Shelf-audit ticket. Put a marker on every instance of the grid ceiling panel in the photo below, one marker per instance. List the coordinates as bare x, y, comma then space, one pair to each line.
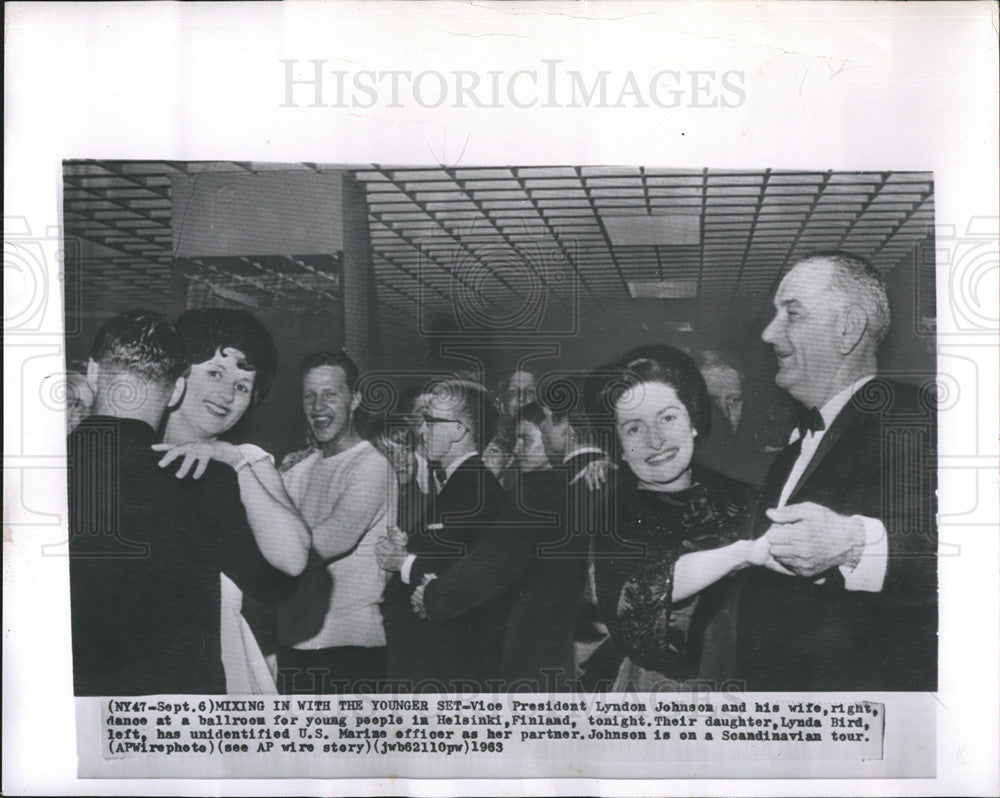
753, 223
427, 224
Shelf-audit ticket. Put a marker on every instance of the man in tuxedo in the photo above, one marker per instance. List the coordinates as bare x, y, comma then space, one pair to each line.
850, 599
457, 421
537, 554
146, 548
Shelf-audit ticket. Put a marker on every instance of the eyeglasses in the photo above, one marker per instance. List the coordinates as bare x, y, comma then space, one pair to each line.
424, 419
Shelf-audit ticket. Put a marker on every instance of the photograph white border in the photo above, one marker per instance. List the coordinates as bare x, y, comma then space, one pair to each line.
848, 85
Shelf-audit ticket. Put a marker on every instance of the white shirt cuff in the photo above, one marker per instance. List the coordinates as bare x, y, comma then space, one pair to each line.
869, 574
253, 454
404, 572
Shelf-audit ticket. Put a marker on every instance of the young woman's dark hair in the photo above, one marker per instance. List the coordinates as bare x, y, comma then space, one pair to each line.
210, 330
653, 363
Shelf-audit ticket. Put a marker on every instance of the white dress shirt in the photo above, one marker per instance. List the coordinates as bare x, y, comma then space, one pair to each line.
407, 566
869, 574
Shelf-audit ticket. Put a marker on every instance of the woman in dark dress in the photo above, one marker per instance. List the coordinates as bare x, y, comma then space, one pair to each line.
232, 365
679, 531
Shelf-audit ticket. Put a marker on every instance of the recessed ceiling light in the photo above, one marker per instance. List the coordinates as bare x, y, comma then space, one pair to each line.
663, 289
669, 229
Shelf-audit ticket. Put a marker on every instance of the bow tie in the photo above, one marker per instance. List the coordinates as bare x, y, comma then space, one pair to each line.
810, 421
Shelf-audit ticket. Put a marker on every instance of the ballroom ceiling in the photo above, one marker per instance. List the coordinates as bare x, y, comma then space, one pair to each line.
500, 237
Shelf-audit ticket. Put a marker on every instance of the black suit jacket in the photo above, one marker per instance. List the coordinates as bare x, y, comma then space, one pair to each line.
462, 648
146, 550
877, 459
536, 557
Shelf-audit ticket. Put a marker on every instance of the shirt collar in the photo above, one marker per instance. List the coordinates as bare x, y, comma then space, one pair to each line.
835, 404
456, 463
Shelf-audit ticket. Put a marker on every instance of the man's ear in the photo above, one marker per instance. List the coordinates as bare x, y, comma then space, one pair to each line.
355, 400
853, 323
461, 430
178, 393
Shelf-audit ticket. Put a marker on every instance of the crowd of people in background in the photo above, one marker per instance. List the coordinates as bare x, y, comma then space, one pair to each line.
646, 526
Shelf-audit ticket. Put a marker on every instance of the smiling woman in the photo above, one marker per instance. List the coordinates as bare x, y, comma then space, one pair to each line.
217, 395
232, 363
656, 434
679, 531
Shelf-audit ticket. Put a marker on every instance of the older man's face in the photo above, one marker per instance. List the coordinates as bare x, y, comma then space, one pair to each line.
804, 334
726, 391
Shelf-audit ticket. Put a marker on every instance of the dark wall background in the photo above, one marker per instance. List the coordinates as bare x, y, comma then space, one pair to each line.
607, 331
600, 334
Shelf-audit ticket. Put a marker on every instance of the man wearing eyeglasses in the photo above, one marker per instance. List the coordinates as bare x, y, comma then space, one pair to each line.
456, 422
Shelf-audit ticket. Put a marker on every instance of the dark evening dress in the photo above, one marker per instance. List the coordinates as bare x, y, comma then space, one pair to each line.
656, 643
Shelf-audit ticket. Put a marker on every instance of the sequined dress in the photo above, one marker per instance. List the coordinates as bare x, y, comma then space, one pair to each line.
657, 639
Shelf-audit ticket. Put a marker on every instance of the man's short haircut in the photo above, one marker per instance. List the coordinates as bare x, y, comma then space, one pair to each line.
533, 413
565, 398
210, 330
540, 410
476, 403
860, 283
142, 343
327, 357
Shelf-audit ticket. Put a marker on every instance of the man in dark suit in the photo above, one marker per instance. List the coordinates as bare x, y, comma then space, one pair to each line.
850, 599
458, 419
146, 548
537, 555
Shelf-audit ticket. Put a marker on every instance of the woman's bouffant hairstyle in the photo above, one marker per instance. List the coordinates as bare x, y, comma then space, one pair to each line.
652, 363
212, 330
